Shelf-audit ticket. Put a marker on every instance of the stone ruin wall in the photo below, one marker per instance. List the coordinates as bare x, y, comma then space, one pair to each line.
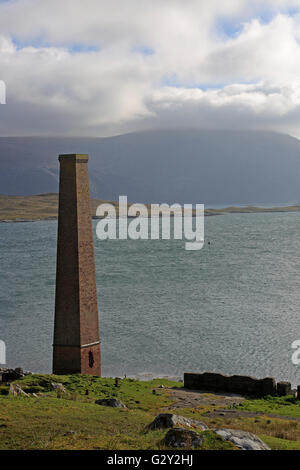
213, 382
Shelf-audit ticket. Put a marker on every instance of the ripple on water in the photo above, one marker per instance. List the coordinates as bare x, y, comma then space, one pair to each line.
231, 307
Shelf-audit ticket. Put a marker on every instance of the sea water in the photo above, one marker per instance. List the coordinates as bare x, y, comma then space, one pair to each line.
232, 307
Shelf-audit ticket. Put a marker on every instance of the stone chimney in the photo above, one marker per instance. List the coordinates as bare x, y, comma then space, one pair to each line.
76, 325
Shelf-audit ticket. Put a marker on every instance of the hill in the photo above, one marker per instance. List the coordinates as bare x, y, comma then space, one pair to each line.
184, 166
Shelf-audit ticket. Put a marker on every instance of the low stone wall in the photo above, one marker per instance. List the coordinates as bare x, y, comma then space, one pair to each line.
9, 375
284, 389
213, 382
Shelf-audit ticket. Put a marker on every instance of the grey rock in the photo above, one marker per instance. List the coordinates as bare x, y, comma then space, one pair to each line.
113, 402
58, 387
184, 438
168, 420
16, 391
242, 439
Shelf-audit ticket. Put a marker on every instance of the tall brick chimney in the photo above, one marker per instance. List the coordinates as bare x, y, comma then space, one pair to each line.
76, 326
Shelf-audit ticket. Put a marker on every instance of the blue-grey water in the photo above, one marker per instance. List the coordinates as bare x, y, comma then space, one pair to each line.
232, 307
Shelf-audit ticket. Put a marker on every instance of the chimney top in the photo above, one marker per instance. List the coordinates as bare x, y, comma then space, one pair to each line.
73, 157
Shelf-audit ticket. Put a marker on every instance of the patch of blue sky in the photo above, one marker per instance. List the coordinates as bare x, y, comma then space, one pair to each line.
231, 28
293, 11
266, 15
174, 82
228, 28
39, 42
144, 50
83, 48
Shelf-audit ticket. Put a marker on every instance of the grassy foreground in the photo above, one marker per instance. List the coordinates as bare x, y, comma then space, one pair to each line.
72, 420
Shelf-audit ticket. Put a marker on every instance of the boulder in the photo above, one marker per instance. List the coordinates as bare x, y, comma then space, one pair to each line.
16, 391
58, 387
113, 402
183, 438
168, 420
241, 439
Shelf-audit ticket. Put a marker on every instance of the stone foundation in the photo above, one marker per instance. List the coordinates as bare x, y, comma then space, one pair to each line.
213, 382
284, 389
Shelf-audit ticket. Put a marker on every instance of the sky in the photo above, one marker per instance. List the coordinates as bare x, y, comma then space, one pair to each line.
107, 67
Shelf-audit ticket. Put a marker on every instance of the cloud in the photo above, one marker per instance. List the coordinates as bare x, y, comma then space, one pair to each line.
101, 68
258, 105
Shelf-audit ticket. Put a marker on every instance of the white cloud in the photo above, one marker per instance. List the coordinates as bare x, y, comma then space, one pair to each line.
244, 79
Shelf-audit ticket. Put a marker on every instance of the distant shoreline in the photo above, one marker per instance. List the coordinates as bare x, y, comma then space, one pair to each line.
44, 207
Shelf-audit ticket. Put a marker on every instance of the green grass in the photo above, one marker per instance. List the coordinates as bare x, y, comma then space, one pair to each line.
215, 442
133, 393
46, 422
280, 444
73, 420
283, 406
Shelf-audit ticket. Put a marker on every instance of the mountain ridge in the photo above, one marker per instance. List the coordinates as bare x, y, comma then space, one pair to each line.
184, 166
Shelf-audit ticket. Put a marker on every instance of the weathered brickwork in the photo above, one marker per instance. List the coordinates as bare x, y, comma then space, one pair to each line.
76, 328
